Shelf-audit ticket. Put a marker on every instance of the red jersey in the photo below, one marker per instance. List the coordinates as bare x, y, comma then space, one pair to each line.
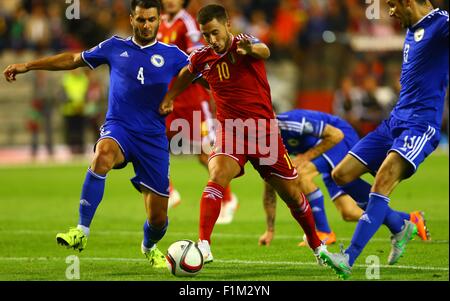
181, 31
238, 82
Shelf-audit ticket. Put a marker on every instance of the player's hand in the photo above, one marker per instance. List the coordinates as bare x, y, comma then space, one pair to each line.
244, 47
166, 107
12, 70
266, 238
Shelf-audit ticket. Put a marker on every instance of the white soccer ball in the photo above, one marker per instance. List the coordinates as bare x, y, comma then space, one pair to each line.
184, 258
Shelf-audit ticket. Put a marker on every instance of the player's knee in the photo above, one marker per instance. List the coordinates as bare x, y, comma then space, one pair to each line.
219, 176
103, 160
340, 177
349, 216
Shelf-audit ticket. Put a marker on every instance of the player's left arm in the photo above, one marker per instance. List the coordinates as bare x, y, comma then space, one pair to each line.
257, 50
330, 136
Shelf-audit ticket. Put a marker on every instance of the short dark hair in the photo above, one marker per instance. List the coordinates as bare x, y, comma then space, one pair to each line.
211, 12
145, 4
186, 3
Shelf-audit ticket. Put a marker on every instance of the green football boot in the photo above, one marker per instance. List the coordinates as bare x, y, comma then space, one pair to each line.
74, 239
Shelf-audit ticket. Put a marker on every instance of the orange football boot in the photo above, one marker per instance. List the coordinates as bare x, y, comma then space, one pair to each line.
417, 217
326, 238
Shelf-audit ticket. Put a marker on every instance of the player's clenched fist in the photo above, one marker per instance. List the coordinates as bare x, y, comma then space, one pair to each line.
166, 107
12, 70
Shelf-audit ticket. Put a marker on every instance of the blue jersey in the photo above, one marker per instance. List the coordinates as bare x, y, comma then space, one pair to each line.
303, 129
139, 80
424, 76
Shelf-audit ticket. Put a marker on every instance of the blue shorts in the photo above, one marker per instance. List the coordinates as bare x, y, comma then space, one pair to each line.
148, 154
414, 142
328, 160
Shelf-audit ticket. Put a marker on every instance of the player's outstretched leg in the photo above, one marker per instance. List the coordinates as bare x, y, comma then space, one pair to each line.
209, 212
300, 211
107, 155
91, 195
155, 227
222, 169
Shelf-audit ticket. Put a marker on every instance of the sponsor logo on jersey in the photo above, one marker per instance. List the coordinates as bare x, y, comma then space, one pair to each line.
124, 54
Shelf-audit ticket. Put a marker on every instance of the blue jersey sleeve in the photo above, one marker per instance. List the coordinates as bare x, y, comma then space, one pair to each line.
98, 55
313, 127
444, 29
181, 60
300, 124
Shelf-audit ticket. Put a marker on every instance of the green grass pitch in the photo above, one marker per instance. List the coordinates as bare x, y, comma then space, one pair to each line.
36, 202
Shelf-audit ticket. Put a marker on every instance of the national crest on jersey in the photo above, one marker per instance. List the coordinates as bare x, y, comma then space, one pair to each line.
139, 80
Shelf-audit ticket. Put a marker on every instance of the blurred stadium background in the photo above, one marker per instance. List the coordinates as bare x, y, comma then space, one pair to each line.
326, 55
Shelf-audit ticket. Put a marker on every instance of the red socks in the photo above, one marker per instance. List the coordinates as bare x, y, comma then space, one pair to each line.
210, 209
227, 194
304, 216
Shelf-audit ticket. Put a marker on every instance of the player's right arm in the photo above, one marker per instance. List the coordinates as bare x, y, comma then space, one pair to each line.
270, 205
329, 138
183, 80
63, 61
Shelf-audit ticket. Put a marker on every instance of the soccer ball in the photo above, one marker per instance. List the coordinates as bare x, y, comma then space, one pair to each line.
184, 258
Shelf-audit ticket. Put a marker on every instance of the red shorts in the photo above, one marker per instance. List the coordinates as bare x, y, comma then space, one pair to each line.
270, 160
191, 116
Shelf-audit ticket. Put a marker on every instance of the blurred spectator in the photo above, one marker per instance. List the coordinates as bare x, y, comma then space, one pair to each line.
309, 38
75, 86
37, 29
372, 111
258, 26
95, 103
348, 103
40, 116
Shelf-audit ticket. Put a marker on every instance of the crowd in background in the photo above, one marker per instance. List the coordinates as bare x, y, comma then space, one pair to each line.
312, 35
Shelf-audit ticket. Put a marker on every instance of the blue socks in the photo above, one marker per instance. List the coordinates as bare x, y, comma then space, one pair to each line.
91, 195
317, 205
152, 235
403, 215
359, 190
368, 225
394, 220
